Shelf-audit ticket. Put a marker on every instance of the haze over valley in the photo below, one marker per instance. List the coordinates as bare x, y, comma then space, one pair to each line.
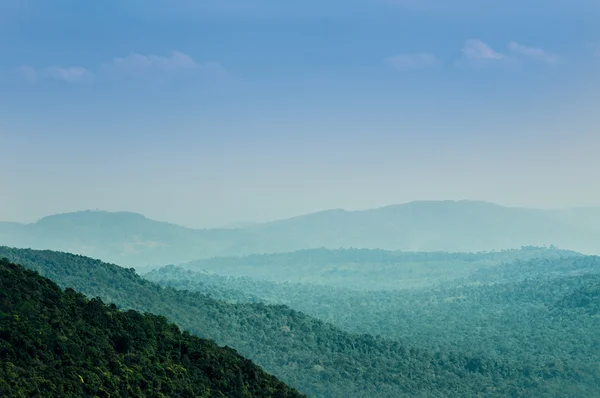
132, 240
324, 199
429, 298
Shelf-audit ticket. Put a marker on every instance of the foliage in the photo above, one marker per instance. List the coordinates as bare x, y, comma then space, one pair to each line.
542, 312
369, 269
315, 357
60, 344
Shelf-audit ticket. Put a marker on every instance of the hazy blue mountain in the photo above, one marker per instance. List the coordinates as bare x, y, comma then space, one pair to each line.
238, 225
121, 237
438, 226
464, 226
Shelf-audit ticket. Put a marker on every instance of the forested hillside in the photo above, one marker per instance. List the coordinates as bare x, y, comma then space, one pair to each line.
542, 311
314, 357
369, 268
60, 344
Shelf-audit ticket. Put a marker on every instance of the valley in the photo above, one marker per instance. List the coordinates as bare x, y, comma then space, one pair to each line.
494, 332
342, 322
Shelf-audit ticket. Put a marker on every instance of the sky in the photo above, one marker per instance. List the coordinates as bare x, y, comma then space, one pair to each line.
209, 112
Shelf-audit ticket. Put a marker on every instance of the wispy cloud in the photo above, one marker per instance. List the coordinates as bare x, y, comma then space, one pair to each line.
74, 74
478, 50
155, 65
406, 62
533, 53
176, 61
476, 53
134, 65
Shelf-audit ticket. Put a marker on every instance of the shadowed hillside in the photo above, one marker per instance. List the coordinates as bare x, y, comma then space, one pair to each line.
58, 344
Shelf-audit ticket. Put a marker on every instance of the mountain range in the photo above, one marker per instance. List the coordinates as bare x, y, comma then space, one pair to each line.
133, 240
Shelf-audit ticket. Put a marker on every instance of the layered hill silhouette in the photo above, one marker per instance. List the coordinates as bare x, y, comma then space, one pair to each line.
132, 240
310, 355
544, 310
56, 343
371, 269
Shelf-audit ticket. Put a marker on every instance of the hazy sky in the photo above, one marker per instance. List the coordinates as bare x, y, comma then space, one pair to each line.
211, 111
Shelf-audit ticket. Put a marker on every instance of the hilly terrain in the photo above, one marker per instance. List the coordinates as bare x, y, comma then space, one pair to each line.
370, 269
463, 226
56, 343
132, 240
121, 237
315, 357
542, 310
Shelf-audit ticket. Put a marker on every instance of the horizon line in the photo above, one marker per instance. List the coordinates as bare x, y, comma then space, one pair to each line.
347, 210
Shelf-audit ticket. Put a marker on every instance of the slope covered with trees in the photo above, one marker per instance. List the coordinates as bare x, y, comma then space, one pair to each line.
542, 311
370, 269
315, 357
56, 343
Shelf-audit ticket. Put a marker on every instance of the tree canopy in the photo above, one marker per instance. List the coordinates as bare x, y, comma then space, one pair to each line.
56, 343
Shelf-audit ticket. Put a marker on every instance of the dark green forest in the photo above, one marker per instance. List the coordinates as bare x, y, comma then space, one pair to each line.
313, 356
56, 343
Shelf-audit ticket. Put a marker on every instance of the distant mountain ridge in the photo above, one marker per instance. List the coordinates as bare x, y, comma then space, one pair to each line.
454, 226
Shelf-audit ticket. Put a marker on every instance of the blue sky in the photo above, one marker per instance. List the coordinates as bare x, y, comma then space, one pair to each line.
208, 112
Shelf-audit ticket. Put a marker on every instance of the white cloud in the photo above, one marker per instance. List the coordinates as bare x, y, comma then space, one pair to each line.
475, 53
151, 65
478, 50
74, 74
531, 52
412, 61
134, 65
176, 61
